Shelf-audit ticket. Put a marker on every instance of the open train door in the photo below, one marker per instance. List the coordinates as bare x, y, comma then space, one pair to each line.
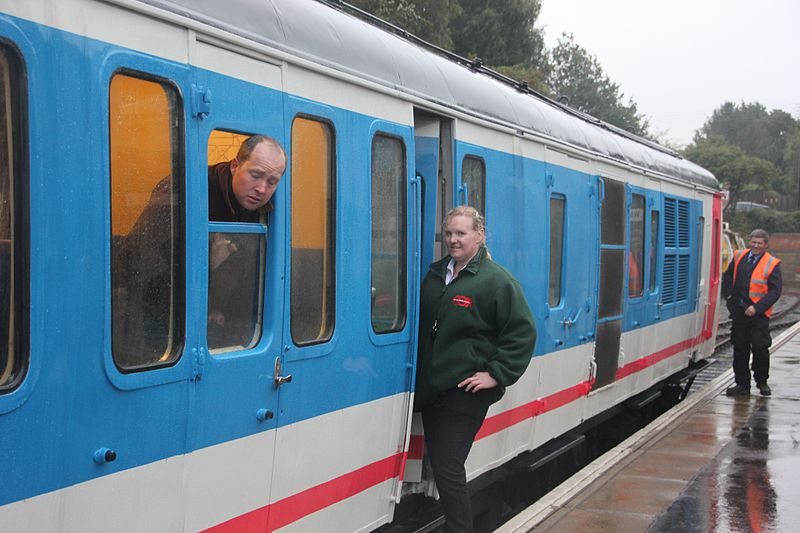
433, 146
710, 320
612, 197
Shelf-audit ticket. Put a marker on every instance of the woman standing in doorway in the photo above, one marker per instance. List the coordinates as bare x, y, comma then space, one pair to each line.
476, 337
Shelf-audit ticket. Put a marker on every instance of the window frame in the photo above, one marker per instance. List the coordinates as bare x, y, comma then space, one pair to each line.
405, 136
634, 193
240, 228
333, 233
619, 244
180, 77
561, 295
653, 269
14, 392
482, 160
178, 157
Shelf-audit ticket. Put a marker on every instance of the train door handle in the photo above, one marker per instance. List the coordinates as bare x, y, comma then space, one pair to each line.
280, 380
568, 322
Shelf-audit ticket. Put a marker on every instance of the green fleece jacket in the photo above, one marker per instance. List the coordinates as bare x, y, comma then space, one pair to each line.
480, 322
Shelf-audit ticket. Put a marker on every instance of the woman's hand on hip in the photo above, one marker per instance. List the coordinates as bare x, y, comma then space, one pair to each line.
478, 381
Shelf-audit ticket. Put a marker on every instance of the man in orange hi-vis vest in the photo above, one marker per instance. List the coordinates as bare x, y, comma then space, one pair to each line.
751, 286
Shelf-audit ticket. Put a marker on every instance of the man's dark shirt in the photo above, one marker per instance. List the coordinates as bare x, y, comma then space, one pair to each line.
738, 295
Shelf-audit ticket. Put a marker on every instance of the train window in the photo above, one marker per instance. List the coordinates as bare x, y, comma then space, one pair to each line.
313, 283
612, 225
609, 303
557, 208
388, 234
147, 221
612, 249
636, 253
236, 259
473, 177
653, 250
13, 223
224, 145
235, 290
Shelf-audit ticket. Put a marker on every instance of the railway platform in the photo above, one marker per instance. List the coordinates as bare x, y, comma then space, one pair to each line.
712, 464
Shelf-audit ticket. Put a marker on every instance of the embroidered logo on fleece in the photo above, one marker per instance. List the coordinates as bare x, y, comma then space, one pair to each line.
462, 301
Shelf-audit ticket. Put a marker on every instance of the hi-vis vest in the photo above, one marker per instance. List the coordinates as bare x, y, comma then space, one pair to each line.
758, 281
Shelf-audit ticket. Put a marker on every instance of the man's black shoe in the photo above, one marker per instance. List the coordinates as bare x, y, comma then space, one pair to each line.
737, 390
764, 389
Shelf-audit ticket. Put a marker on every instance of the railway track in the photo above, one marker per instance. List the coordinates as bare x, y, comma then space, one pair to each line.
785, 308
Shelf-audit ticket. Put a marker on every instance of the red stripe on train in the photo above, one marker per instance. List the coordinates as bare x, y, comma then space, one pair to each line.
506, 419
297, 506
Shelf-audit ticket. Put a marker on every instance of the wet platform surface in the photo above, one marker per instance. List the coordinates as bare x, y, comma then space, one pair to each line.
730, 464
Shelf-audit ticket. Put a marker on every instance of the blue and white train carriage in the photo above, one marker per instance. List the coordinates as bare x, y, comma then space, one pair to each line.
115, 418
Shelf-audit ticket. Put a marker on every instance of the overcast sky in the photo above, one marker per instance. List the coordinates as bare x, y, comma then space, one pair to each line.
681, 59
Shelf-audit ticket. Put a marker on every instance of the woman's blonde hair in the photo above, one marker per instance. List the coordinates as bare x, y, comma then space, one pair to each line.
478, 222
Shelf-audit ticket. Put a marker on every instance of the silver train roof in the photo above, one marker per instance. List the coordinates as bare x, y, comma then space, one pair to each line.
317, 32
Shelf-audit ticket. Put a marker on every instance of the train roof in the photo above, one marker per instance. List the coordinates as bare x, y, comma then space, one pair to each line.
317, 32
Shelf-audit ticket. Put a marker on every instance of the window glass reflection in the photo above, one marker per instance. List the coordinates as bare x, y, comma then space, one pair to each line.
235, 294
146, 222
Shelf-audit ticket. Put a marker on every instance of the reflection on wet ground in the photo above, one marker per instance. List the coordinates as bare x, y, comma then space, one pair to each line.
752, 484
732, 465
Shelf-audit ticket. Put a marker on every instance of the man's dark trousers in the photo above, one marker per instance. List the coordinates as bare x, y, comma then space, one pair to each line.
750, 333
451, 424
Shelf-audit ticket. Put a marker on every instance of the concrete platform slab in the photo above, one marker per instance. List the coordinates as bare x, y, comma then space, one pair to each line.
729, 464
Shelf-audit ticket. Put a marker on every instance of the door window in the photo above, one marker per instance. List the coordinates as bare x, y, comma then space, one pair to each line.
557, 209
388, 234
313, 284
473, 177
13, 225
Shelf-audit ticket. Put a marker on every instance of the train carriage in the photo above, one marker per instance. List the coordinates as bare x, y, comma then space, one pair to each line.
119, 416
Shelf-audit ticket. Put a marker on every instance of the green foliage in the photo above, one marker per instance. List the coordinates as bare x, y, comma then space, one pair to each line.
504, 35
537, 80
790, 180
768, 219
733, 166
751, 149
753, 129
428, 19
501, 32
578, 76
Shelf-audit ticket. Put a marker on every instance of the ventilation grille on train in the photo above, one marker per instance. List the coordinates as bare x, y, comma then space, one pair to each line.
677, 251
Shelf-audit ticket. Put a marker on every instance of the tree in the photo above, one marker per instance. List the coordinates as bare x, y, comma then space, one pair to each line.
773, 136
501, 32
578, 76
537, 80
427, 19
731, 165
767, 219
752, 128
504, 35
791, 157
